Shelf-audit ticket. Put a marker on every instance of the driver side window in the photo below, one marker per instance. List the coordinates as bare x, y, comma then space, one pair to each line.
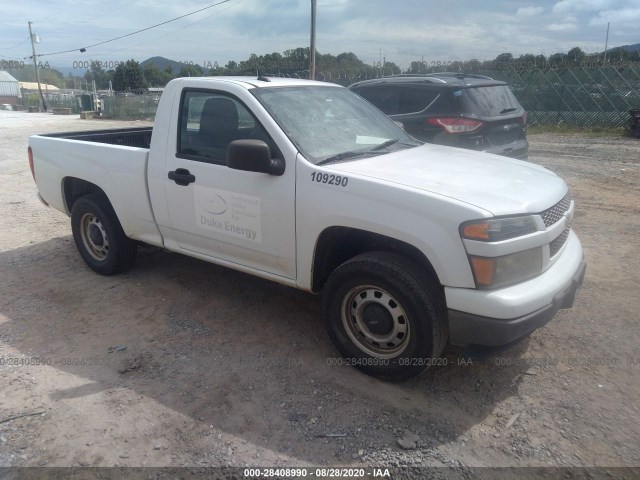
209, 122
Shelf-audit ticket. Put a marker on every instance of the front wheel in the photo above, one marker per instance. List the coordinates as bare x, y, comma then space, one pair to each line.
99, 237
385, 316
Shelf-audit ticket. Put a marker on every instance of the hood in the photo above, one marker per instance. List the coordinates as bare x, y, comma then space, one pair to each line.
498, 184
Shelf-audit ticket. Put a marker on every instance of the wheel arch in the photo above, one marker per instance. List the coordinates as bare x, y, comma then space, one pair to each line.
74, 188
336, 245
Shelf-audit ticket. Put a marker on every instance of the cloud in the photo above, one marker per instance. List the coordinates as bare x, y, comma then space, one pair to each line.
529, 11
401, 32
565, 6
562, 27
624, 16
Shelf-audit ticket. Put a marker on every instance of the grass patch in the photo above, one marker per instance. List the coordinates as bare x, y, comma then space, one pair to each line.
568, 130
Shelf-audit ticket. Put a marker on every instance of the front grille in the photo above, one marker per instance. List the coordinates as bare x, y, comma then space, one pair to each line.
554, 214
556, 245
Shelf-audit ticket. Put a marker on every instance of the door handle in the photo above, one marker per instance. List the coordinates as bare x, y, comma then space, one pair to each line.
182, 176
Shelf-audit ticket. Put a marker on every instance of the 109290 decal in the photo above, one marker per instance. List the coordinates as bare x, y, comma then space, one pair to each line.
329, 179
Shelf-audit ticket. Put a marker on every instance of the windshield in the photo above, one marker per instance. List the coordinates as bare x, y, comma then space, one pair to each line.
331, 124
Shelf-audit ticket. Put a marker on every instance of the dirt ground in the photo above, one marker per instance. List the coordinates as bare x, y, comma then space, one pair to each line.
183, 363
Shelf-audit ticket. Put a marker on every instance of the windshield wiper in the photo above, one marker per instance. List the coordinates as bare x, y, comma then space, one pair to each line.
343, 156
384, 144
507, 110
358, 153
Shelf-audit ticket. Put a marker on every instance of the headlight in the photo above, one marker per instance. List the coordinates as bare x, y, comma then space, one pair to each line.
497, 229
501, 270
494, 272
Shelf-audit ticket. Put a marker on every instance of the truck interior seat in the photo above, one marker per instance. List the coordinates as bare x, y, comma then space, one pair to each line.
219, 123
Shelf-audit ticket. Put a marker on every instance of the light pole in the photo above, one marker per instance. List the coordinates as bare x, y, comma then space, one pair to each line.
606, 45
312, 49
43, 106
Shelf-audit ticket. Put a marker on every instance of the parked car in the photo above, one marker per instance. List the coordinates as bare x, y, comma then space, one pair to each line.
304, 183
455, 109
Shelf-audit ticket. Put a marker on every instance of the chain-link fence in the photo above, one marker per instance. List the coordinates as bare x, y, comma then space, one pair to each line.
115, 105
577, 97
130, 106
53, 100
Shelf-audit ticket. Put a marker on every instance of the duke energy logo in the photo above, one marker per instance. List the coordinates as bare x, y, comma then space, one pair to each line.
228, 213
215, 205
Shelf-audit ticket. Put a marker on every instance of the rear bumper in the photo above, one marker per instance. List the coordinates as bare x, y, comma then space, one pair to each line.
519, 155
467, 328
519, 150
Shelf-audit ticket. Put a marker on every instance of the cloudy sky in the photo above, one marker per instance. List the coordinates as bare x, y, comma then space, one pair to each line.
400, 31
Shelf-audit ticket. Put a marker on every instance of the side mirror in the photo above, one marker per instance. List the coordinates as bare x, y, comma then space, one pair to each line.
253, 156
400, 124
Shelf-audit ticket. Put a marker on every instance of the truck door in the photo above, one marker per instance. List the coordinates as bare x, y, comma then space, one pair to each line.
245, 218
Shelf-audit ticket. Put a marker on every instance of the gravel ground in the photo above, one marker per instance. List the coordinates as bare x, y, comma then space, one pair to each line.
182, 363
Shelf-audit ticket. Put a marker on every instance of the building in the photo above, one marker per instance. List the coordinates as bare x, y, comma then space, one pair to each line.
33, 87
9, 89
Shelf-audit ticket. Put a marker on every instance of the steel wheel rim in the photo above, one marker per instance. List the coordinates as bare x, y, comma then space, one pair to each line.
389, 344
94, 237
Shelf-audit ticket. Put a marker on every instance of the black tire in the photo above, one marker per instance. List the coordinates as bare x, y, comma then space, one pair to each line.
384, 296
99, 237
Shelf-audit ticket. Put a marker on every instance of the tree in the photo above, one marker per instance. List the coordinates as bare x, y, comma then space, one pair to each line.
540, 61
557, 60
575, 55
99, 75
417, 67
231, 68
504, 58
129, 77
156, 77
189, 70
473, 65
391, 68
526, 59
298, 54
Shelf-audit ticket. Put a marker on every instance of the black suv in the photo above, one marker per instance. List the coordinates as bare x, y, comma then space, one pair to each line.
455, 109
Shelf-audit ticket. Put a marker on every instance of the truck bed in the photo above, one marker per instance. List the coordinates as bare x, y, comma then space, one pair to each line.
115, 161
139, 137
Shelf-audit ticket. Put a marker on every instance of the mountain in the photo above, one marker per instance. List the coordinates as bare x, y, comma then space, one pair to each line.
631, 48
78, 72
624, 48
625, 53
162, 63
622, 52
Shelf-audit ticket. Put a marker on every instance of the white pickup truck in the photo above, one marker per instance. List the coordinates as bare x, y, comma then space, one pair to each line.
306, 184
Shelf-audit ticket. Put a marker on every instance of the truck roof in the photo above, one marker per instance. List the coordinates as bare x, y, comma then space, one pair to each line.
256, 82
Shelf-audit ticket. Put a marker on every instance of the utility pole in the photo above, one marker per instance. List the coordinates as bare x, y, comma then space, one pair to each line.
606, 45
43, 105
312, 49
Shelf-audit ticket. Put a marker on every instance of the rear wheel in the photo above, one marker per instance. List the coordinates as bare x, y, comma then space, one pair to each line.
99, 237
385, 315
